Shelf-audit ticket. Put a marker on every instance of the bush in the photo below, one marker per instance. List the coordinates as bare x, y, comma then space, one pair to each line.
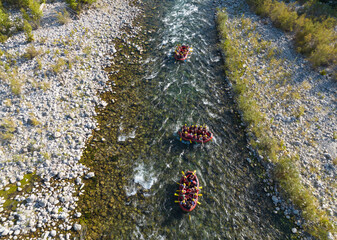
282, 16
72, 4
78, 4
28, 31
36, 13
5, 25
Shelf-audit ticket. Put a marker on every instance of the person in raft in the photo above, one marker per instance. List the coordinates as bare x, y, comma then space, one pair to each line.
181, 51
189, 191
195, 132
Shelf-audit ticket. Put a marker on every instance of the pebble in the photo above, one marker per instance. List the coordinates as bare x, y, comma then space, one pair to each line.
53, 233
77, 227
90, 175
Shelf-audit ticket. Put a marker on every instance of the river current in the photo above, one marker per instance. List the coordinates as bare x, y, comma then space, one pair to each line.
138, 158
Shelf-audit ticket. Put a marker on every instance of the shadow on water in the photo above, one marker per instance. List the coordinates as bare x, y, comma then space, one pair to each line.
137, 157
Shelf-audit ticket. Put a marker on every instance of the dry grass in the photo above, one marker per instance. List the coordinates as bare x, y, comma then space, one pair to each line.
59, 65
7, 129
64, 17
31, 52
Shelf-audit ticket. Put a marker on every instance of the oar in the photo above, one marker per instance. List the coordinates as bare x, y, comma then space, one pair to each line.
177, 201
200, 195
183, 173
194, 172
176, 194
199, 203
200, 187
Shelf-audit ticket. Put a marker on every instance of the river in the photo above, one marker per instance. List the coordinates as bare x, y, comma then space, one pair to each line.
137, 157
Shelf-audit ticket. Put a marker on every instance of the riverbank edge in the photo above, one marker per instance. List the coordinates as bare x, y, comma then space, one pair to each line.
53, 115
266, 146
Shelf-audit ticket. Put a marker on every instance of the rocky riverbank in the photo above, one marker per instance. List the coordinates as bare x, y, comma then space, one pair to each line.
293, 102
49, 90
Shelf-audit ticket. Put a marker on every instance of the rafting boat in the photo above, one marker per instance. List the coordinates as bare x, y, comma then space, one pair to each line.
188, 191
182, 52
190, 137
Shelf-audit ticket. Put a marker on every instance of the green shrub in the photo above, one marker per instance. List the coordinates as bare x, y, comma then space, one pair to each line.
72, 4
324, 54
28, 31
77, 4
282, 16
5, 25
36, 13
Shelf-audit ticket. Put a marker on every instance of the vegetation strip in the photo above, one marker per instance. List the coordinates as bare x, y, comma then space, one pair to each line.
255, 82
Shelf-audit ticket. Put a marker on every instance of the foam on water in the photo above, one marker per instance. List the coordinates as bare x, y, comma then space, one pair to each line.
123, 137
142, 176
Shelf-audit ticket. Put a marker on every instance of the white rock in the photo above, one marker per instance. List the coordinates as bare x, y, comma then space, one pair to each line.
5, 232
77, 227
31, 198
294, 230
53, 233
57, 134
90, 175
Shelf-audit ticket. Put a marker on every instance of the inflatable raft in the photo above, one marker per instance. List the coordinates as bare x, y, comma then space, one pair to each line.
188, 191
192, 140
182, 52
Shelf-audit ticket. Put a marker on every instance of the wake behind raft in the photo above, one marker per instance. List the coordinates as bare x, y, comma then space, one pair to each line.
188, 191
194, 134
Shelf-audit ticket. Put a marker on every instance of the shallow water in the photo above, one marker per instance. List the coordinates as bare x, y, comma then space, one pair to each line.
141, 159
